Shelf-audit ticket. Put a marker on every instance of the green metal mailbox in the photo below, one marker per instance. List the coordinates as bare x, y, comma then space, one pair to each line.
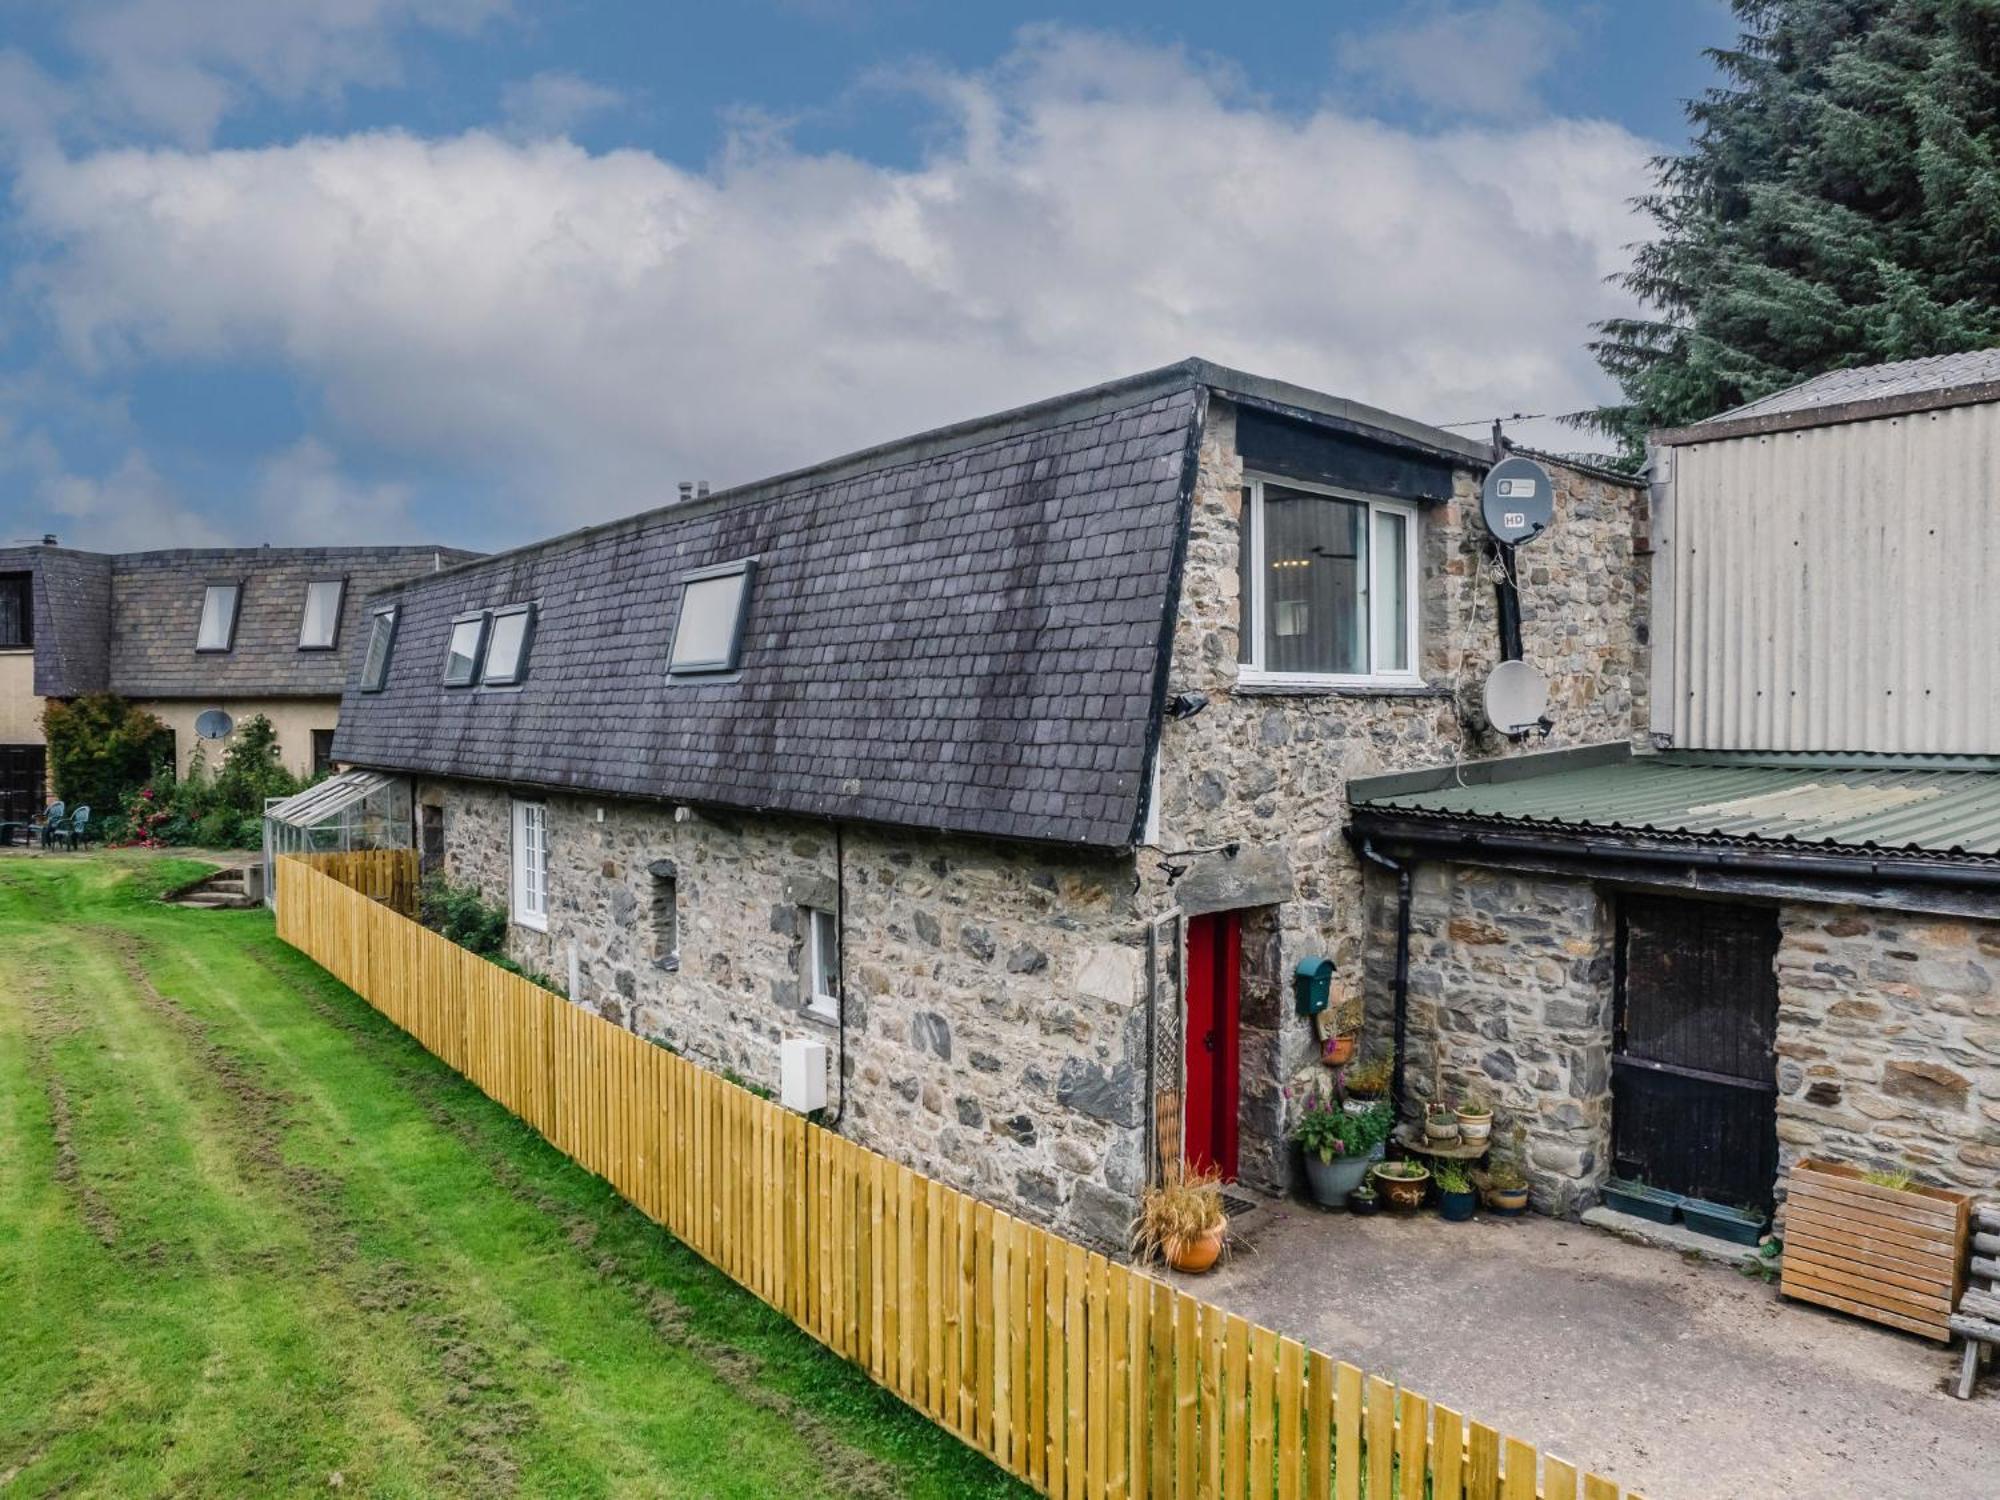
1312, 984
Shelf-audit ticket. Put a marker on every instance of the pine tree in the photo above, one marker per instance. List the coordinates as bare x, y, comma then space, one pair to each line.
1839, 205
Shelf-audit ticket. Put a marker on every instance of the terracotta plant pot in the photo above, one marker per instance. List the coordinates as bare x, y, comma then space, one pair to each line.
1339, 1052
1404, 1194
1474, 1126
1198, 1253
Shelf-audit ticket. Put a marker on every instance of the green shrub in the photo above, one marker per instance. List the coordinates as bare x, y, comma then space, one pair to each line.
460, 913
102, 749
220, 811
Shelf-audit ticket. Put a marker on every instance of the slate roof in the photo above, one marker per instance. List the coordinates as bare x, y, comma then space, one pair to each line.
1861, 804
965, 630
1904, 385
126, 622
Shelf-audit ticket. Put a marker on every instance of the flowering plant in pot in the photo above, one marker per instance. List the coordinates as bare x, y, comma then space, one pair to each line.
1456, 1199
1402, 1184
1181, 1220
1339, 1145
1440, 1122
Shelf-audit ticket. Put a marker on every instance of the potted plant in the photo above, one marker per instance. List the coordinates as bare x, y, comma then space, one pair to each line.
1369, 1079
1456, 1199
1475, 1119
1440, 1123
1338, 1051
1630, 1196
1364, 1201
1339, 1145
1741, 1226
1402, 1184
1181, 1220
1504, 1188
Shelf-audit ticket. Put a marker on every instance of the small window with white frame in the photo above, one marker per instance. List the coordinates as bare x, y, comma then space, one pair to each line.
375, 660
507, 646
217, 631
461, 652
1329, 587
531, 865
319, 625
822, 975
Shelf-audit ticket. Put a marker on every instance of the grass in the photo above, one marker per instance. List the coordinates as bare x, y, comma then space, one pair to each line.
253, 1240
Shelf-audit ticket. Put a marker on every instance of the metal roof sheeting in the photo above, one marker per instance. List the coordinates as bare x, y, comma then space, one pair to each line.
1904, 377
1848, 804
329, 798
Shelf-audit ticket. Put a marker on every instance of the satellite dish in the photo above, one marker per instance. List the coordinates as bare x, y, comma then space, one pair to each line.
1517, 696
213, 724
1518, 500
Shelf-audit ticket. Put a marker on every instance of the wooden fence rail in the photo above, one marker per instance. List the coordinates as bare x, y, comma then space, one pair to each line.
1085, 1378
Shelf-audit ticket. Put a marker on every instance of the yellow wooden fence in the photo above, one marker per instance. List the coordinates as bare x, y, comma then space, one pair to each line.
1086, 1378
385, 875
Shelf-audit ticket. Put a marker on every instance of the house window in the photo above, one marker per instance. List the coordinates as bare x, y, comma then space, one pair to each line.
507, 645
430, 839
322, 751
822, 964
666, 914
218, 617
319, 630
1330, 587
531, 865
709, 635
461, 656
17, 610
375, 664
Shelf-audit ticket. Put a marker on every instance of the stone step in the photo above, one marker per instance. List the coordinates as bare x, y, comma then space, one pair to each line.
1675, 1237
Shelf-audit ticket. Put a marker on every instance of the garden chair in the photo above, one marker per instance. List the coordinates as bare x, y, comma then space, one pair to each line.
77, 827
1978, 1315
52, 820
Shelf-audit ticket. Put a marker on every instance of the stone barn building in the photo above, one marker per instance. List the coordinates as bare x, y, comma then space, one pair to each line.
1011, 759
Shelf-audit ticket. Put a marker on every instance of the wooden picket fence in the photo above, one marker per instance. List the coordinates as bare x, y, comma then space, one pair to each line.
385, 875
1085, 1378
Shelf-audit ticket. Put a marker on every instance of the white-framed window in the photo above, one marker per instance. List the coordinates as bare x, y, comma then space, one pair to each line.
1329, 587
461, 652
822, 975
507, 646
375, 661
319, 626
531, 865
218, 617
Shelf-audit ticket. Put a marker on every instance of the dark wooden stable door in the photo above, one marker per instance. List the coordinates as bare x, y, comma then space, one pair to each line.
1694, 1093
21, 774
1214, 993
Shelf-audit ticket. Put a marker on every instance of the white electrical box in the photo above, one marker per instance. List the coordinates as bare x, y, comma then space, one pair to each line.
802, 1074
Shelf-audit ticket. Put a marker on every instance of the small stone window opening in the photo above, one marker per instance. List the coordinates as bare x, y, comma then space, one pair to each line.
822, 969
666, 915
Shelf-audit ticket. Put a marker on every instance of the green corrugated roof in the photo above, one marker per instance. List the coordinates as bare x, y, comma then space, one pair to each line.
1933, 807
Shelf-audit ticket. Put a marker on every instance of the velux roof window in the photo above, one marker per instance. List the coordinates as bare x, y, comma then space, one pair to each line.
507, 645
381, 636
218, 617
709, 635
461, 656
319, 629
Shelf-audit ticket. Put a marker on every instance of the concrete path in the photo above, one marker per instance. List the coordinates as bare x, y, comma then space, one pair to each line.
1681, 1379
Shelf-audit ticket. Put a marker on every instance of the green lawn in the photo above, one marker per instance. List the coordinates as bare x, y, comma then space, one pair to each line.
253, 1240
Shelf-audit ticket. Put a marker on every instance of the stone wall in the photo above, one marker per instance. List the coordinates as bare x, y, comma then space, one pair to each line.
1511, 986
994, 996
1889, 1043
1268, 768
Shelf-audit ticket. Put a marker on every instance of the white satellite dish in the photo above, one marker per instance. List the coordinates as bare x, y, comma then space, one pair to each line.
1517, 696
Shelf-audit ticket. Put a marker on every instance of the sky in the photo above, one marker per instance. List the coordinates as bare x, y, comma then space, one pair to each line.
477, 271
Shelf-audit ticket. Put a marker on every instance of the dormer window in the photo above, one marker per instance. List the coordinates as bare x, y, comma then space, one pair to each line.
319, 628
461, 656
17, 610
218, 617
507, 646
709, 634
381, 637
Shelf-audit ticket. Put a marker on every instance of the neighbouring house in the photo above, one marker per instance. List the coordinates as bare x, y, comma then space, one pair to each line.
204, 639
1778, 934
1009, 759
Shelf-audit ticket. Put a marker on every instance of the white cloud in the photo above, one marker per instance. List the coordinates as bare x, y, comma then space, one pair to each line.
178, 66
304, 498
129, 508
573, 332
1482, 60
555, 103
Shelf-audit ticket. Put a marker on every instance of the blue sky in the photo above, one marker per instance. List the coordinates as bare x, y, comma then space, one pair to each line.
473, 271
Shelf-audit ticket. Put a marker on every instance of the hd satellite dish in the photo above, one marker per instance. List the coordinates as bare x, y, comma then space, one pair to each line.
1517, 697
213, 724
1518, 500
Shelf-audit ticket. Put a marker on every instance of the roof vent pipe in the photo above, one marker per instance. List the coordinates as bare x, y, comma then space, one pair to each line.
701, 489
687, 490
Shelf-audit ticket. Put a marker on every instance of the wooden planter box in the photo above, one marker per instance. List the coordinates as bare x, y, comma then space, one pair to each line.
1894, 1255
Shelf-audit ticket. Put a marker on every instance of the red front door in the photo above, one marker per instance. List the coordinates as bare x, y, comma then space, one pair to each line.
1214, 960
